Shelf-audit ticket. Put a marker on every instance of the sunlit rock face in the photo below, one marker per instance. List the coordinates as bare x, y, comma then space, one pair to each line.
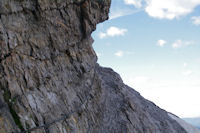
50, 81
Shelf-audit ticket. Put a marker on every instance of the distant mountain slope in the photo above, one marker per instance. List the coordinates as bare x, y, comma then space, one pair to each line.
193, 121
189, 128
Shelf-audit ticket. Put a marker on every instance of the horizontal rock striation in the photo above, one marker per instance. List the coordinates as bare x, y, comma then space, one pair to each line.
50, 81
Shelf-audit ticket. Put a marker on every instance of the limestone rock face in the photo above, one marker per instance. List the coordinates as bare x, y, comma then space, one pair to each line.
50, 81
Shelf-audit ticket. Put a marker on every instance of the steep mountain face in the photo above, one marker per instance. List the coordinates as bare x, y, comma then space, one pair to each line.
50, 81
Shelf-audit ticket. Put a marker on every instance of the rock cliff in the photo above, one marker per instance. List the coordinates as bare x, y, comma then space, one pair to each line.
50, 81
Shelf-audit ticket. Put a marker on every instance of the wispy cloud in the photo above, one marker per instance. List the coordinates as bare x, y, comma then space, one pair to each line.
196, 20
121, 8
112, 31
161, 43
119, 54
121, 12
180, 43
136, 3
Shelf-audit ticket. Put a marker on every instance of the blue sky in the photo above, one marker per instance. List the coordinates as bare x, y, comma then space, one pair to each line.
155, 46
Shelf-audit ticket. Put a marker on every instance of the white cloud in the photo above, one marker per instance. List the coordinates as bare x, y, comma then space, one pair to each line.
102, 35
119, 54
170, 9
161, 43
180, 43
136, 3
187, 72
112, 31
196, 20
162, 9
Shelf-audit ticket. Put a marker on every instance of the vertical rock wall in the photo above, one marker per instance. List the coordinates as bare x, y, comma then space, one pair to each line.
49, 79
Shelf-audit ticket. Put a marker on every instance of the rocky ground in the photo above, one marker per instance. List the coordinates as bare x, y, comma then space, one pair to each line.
50, 81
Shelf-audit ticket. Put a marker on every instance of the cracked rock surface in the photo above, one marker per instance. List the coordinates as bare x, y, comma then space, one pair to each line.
50, 81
